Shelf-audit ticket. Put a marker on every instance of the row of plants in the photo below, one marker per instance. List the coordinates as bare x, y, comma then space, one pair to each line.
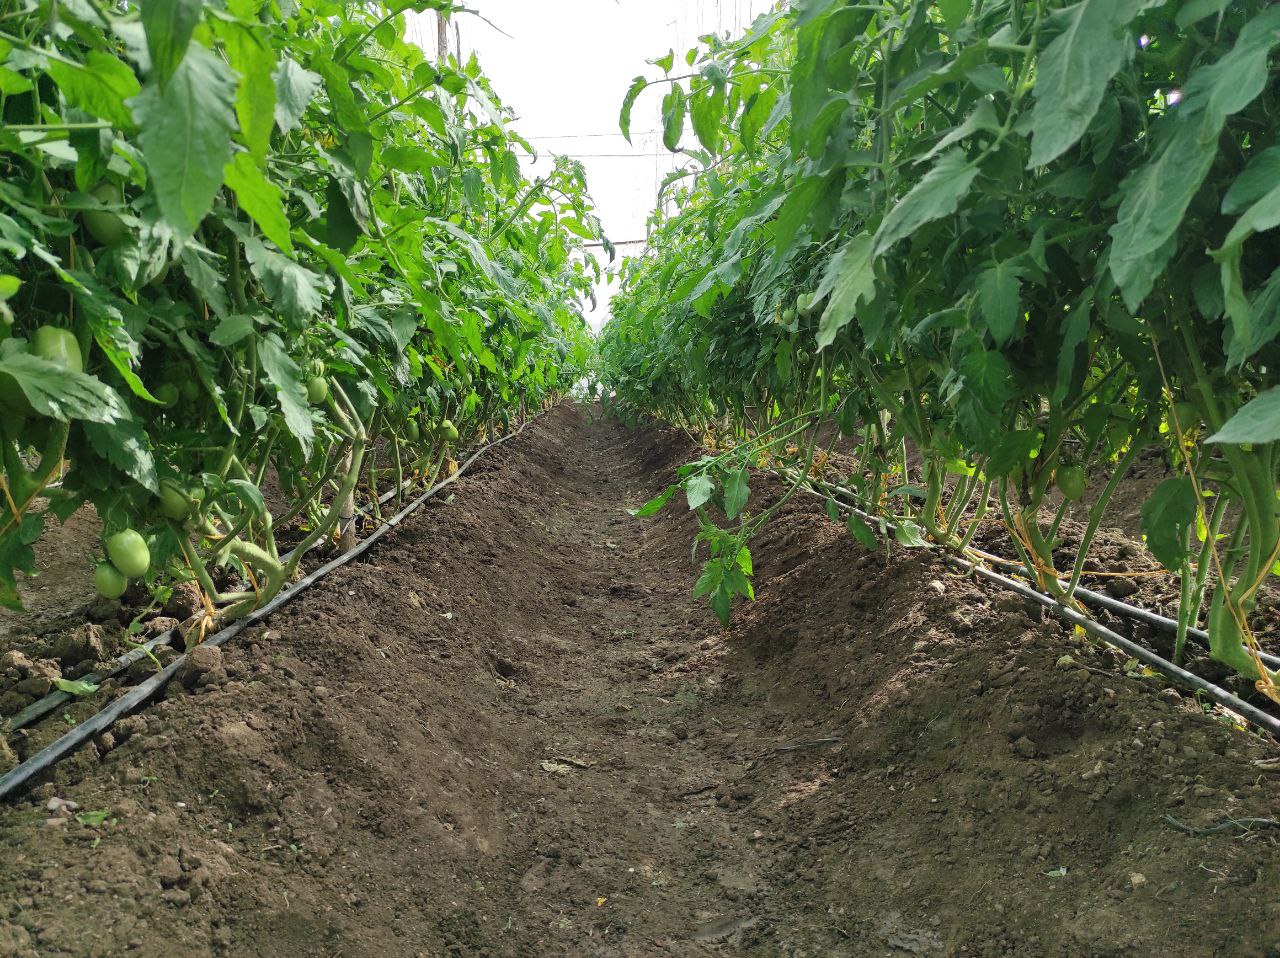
1001, 247
259, 260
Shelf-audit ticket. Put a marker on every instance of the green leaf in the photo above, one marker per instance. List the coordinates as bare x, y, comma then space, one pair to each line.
260, 198
169, 25
291, 391
296, 86
126, 445
60, 393
910, 535
251, 56
699, 489
850, 278
249, 494
1258, 421
186, 136
1155, 196
99, 88
936, 195
999, 290
231, 329
654, 505
954, 12
16, 554
628, 104
294, 289
1257, 179
707, 115
861, 531
736, 491
709, 581
1167, 518
76, 687
1193, 10
1073, 72
673, 114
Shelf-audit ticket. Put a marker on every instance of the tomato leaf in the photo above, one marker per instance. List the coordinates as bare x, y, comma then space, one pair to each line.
296, 86
100, 87
1167, 518
186, 136
998, 299
654, 505
62, 394
861, 531
126, 445
260, 198
936, 195
169, 25
1075, 69
910, 535
1258, 421
850, 279
736, 491
291, 391
699, 489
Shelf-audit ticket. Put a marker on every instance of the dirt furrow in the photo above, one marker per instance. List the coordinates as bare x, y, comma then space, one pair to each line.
510, 731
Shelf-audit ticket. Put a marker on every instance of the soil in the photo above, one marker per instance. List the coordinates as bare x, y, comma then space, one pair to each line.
509, 731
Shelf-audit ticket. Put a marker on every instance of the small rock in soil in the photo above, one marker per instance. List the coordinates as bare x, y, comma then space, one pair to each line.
1025, 747
1121, 588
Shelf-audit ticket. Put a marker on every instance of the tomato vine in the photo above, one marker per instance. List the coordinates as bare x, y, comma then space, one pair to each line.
999, 244
259, 243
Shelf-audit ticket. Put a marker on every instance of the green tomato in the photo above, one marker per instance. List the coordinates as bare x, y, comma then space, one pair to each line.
1072, 482
190, 389
175, 504
411, 431
167, 393
788, 317
103, 225
448, 431
128, 552
52, 344
805, 303
317, 390
111, 584
58, 346
316, 367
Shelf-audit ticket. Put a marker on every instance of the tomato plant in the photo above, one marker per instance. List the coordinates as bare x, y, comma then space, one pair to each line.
990, 244
258, 240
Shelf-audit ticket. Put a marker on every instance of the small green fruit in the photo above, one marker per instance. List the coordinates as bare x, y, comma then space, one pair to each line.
103, 225
317, 390
128, 552
111, 584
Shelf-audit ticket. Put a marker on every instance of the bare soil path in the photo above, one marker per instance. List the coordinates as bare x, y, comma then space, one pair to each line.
511, 732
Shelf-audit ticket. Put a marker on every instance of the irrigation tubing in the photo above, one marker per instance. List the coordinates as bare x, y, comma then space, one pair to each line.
42, 707
1096, 599
1213, 692
141, 693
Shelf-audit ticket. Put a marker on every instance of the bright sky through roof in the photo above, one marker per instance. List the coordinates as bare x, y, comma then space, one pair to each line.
564, 69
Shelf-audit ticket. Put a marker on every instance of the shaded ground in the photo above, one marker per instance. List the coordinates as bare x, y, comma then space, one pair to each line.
511, 732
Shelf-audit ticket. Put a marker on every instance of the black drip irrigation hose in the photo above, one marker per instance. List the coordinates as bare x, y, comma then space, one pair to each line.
140, 694
1096, 599
1213, 692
